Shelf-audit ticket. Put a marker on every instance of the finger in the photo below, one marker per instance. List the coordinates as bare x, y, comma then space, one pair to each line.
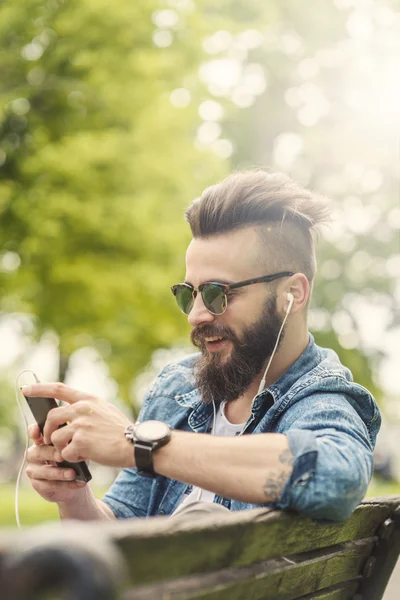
42, 453
48, 489
55, 390
62, 437
35, 434
55, 418
50, 473
75, 451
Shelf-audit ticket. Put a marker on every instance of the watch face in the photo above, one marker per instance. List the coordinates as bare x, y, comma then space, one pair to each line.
152, 431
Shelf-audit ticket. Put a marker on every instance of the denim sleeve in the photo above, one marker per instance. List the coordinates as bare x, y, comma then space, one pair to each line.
129, 495
333, 458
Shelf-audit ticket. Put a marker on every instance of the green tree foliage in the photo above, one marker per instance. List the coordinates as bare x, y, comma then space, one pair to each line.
98, 167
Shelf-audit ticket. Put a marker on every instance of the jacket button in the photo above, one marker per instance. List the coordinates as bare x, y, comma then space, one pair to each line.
161, 512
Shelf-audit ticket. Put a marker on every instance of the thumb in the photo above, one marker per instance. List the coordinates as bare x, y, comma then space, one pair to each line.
35, 435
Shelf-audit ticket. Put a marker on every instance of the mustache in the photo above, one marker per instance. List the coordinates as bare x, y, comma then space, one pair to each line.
198, 334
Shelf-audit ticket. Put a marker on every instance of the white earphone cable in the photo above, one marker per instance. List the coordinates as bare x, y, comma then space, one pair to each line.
26, 443
262, 384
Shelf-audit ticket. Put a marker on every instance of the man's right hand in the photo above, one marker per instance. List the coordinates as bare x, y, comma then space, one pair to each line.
53, 483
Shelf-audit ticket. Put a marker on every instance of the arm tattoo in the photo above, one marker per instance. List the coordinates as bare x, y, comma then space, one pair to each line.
286, 457
277, 478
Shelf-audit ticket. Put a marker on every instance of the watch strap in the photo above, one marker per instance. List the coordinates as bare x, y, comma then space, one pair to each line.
144, 459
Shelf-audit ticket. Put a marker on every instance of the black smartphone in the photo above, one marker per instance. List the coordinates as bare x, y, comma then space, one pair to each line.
40, 408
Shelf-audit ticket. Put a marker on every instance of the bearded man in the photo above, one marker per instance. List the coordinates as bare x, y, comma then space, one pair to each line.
262, 416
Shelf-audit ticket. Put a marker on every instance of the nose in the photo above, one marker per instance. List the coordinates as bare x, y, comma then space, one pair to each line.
199, 314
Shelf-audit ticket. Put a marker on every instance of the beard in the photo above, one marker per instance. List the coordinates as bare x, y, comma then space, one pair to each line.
218, 379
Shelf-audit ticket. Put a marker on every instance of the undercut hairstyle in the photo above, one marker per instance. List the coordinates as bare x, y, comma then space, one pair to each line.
285, 214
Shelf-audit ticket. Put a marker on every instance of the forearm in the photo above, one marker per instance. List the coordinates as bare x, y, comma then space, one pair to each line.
86, 507
250, 468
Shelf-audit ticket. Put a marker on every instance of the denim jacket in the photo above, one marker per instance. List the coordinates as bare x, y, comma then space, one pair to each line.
331, 424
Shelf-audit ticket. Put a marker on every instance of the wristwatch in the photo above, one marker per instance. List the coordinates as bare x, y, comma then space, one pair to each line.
147, 437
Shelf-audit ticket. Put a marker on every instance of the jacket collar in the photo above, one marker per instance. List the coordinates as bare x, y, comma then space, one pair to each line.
307, 361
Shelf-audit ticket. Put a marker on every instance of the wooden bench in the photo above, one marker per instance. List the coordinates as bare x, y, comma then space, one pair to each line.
249, 555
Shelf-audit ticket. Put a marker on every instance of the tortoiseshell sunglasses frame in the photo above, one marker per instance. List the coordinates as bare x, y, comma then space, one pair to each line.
225, 288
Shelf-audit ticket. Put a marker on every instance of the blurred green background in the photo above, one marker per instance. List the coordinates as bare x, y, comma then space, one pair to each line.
114, 116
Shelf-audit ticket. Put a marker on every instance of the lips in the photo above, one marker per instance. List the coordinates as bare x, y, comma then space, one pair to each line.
216, 345
207, 336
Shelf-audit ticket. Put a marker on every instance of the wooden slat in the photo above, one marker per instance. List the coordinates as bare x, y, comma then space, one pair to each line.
238, 539
285, 578
385, 557
343, 591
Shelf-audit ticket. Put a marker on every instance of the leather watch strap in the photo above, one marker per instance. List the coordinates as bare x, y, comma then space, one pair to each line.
144, 458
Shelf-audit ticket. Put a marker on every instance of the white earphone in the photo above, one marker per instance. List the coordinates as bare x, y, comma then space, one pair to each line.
290, 299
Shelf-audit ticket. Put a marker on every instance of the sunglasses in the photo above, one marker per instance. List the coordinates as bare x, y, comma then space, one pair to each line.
215, 295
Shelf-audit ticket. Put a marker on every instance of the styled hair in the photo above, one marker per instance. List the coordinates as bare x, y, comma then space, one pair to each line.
287, 215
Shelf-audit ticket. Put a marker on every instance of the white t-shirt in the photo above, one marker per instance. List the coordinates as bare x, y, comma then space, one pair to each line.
222, 427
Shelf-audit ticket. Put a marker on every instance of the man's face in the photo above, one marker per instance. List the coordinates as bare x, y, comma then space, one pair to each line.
249, 327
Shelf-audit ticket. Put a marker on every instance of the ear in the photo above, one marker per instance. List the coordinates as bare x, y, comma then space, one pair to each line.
299, 287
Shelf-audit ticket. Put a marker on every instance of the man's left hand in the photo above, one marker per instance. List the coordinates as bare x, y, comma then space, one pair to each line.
94, 428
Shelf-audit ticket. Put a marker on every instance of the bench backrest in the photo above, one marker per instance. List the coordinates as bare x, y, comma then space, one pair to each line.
258, 554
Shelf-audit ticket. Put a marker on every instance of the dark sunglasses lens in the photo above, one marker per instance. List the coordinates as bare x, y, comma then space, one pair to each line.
184, 298
214, 299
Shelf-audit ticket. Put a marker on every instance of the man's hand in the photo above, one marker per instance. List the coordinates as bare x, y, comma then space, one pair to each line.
51, 482
94, 431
